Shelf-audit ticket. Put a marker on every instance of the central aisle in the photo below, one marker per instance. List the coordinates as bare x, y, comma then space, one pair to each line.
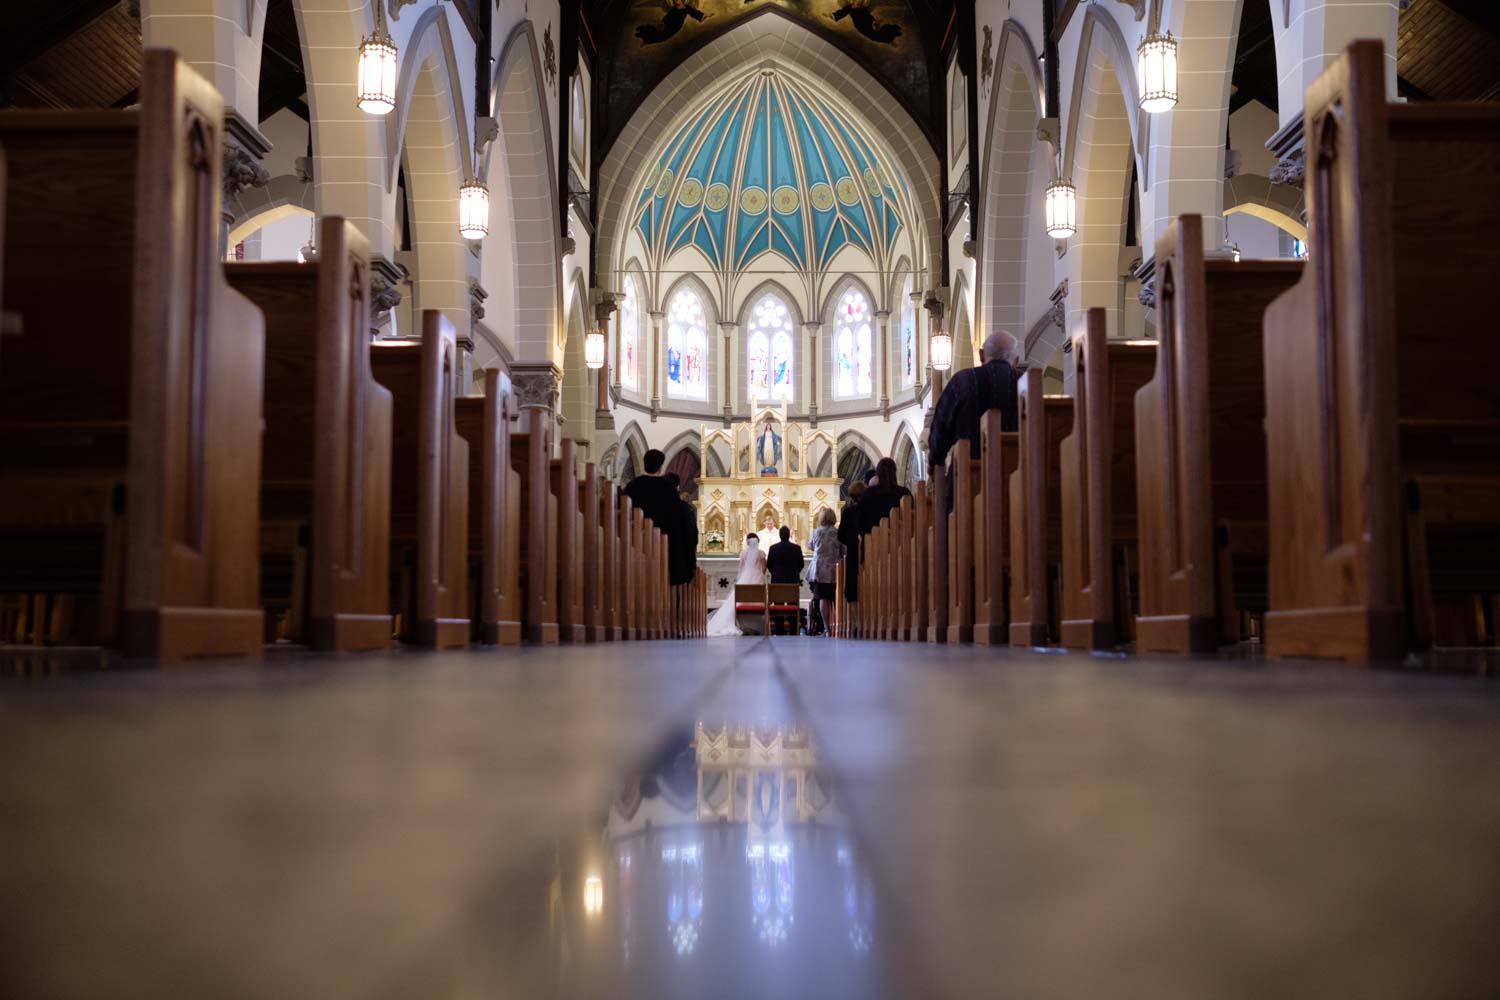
899, 821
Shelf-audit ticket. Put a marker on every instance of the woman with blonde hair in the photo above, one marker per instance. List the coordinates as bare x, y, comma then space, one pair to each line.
828, 552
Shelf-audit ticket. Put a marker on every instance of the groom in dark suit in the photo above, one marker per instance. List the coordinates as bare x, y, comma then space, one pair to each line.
784, 561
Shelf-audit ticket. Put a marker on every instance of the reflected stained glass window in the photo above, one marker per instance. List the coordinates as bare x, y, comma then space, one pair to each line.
630, 336
908, 337
853, 349
769, 349
687, 347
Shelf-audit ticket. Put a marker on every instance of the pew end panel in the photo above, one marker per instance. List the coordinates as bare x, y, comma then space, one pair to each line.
169, 426
999, 457
1036, 511
1389, 381
1099, 486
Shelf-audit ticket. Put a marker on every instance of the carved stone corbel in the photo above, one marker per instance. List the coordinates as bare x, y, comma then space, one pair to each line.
477, 295
1138, 6
386, 279
1289, 170
1049, 131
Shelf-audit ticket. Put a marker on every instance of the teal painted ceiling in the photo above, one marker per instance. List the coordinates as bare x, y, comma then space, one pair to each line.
769, 165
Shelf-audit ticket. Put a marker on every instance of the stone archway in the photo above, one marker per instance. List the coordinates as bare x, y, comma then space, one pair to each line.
522, 270
1006, 226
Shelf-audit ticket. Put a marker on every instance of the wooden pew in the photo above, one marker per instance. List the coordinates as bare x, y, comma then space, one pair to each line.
530, 456
1036, 512
963, 482
494, 513
917, 562
1000, 456
1099, 530
597, 503
610, 554
568, 554
129, 487
1382, 406
429, 487
936, 563
326, 460
1201, 446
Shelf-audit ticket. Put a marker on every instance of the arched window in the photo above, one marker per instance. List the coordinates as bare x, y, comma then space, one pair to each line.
908, 337
768, 350
687, 347
853, 376
630, 337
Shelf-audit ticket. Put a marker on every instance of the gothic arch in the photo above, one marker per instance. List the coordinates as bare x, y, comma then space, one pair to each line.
748, 44
827, 314
712, 351
1278, 204
741, 343
255, 207
577, 396
1006, 226
524, 224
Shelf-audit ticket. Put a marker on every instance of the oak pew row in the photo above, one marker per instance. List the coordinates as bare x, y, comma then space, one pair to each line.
326, 450
129, 495
429, 525
1100, 538
494, 514
1383, 418
1201, 447
1036, 512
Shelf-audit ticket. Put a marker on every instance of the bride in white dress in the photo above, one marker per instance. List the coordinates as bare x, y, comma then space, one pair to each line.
752, 570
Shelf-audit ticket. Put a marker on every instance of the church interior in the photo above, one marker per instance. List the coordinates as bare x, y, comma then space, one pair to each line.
346, 648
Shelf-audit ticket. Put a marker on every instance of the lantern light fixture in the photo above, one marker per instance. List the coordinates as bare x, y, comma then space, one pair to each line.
593, 349
377, 71
473, 209
942, 350
593, 895
1061, 209
1156, 72
1234, 251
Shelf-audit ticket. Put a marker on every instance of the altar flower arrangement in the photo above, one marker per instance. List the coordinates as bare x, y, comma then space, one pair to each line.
715, 542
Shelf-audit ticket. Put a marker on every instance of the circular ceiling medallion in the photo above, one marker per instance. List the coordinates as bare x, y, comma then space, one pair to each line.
753, 200
848, 190
664, 182
784, 199
717, 197
691, 193
821, 196
650, 178
872, 182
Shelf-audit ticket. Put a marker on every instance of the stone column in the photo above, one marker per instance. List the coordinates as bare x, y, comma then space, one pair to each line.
883, 331
934, 306
658, 364
603, 310
727, 363
813, 357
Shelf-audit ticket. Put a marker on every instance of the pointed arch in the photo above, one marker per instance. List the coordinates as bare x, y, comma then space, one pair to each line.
753, 325
1009, 190
521, 173
849, 358
688, 348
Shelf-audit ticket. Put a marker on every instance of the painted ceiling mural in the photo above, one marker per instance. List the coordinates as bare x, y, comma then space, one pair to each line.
767, 164
640, 41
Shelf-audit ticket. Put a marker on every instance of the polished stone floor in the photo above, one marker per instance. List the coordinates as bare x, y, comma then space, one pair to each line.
782, 817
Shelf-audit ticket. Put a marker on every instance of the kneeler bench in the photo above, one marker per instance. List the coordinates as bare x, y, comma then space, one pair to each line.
751, 611
783, 601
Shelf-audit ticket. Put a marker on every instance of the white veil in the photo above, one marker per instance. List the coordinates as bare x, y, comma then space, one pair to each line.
752, 562
752, 569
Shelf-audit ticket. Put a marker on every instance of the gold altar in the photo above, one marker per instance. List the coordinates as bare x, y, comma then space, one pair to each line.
768, 484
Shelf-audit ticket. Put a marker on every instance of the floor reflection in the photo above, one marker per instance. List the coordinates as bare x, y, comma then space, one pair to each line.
726, 868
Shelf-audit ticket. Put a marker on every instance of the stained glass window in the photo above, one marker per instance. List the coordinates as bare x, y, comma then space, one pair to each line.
687, 347
630, 336
908, 348
768, 349
852, 347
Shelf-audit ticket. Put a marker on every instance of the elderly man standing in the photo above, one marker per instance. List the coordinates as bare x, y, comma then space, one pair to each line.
971, 392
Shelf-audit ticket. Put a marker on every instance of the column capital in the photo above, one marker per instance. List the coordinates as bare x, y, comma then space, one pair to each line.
882, 314
813, 326
536, 386
728, 327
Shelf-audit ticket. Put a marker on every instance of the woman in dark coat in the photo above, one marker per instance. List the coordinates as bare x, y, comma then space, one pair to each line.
849, 534
883, 496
